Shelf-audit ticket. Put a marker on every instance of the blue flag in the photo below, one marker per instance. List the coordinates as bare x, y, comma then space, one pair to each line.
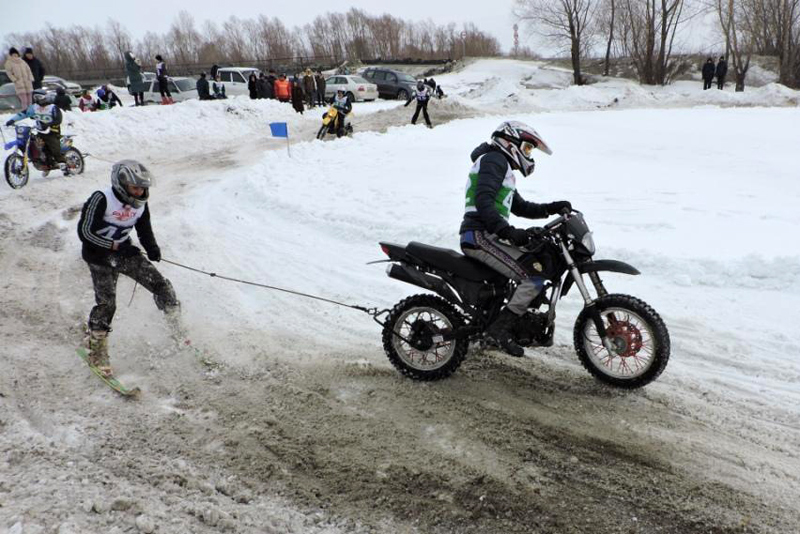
279, 129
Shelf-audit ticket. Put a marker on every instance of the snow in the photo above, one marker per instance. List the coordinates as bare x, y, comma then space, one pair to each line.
699, 190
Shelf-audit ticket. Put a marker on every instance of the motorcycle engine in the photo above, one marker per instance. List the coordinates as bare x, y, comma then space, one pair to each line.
531, 329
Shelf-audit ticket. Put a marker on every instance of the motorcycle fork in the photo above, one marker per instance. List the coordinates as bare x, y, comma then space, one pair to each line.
589, 302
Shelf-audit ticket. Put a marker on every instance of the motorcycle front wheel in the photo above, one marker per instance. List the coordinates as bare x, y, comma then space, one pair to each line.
414, 338
322, 131
639, 341
16, 171
74, 161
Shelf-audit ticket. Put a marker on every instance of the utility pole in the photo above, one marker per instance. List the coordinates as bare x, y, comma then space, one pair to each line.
463, 44
516, 40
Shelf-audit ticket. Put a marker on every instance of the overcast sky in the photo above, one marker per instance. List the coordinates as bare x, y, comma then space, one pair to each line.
140, 16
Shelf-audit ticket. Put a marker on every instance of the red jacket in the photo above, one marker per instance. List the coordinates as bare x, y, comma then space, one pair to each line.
283, 89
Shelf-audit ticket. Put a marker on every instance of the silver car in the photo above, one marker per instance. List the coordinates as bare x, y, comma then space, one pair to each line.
355, 87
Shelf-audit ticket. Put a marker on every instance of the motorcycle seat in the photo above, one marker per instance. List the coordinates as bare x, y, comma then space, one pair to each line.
453, 262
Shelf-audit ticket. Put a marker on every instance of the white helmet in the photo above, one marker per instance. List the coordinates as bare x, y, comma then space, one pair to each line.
131, 172
517, 141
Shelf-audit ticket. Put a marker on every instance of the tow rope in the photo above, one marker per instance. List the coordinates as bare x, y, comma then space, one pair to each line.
373, 312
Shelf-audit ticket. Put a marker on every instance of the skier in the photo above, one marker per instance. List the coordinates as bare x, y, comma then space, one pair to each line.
163, 81
107, 219
48, 119
422, 94
343, 107
486, 234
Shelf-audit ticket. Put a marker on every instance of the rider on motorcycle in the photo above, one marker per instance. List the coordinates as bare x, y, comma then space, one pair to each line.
343, 107
486, 234
48, 121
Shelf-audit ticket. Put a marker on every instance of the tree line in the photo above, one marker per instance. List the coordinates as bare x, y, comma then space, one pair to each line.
644, 32
338, 36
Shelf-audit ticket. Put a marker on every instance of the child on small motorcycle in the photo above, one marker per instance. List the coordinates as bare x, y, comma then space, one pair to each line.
48, 119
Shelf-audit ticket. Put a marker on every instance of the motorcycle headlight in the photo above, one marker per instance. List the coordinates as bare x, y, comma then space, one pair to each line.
588, 242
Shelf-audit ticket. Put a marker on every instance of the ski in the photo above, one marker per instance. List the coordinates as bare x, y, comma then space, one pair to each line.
110, 381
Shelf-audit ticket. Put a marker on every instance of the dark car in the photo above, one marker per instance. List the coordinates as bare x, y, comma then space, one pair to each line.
391, 83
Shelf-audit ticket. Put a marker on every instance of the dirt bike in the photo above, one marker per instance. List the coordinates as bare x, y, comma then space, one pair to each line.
329, 119
618, 338
29, 148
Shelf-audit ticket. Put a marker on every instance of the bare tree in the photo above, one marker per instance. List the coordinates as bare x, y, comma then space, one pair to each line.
568, 22
648, 36
608, 16
735, 23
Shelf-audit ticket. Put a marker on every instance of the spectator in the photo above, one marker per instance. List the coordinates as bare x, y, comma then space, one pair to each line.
297, 94
310, 88
320, 81
136, 84
20, 73
708, 73
262, 86
163, 81
107, 98
219, 88
271, 79
202, 87
214, 69
283, 89
252, 82
86, 103
62, 100
721, 72
37, 69
430, 82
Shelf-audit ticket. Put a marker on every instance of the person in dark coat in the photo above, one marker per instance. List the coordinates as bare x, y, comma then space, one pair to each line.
297, 94
251, 86
320, 80
106, 98
213, 73
721, 72
136, 84
202, 88
309, 88
271, 77
262, 87
36, 68
163, 81
708, 73
62, 100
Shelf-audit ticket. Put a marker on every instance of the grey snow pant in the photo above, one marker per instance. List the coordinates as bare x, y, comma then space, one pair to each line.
138, 268
503, 259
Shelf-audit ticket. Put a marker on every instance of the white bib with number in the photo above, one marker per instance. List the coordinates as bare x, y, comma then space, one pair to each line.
119, 218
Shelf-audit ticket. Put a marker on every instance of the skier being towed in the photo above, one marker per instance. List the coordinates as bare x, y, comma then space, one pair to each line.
107, 219
486, 234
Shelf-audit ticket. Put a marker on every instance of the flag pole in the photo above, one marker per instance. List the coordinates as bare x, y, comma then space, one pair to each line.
288, 149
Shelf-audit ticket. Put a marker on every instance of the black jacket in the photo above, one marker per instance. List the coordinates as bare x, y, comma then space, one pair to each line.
97, 248
202, 89
708, 71
62, 101
37, 69
491, 174
722, 68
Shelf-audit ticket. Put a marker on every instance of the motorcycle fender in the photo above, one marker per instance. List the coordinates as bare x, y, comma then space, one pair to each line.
411, 275
614, 266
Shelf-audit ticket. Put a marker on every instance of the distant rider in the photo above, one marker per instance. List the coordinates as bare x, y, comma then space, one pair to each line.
343, 107
486, 234
48, 119
107, 219
422, 94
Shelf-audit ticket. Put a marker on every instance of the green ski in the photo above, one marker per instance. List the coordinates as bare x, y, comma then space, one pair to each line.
110, 381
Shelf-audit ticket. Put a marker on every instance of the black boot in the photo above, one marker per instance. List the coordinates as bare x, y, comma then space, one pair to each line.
500, 331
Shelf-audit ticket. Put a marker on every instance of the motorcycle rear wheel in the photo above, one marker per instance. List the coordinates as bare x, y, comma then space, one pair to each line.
641, 345
74, 161
16, 172
412, 338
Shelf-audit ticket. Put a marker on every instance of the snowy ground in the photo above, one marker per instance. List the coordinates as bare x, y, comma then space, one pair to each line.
285, 416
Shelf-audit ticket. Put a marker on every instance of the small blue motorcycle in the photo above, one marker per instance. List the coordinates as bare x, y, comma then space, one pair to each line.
29, 148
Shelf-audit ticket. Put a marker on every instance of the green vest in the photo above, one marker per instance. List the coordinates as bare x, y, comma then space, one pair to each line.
505, 195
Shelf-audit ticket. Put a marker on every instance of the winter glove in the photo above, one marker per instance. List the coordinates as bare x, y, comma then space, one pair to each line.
9, 123
517, 236
554, 208
154, 254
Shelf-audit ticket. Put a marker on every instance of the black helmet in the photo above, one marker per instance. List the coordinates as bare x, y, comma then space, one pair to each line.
131, 172
420, 84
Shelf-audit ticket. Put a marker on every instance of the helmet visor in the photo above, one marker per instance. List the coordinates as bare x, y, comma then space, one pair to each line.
527, 148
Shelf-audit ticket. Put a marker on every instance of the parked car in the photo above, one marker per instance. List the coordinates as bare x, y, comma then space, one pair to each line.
8, 97
71, 88
356, 88
181, 89
391, 83
4, 79
235, 79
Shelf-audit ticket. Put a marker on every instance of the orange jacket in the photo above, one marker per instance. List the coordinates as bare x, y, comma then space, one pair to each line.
283, 89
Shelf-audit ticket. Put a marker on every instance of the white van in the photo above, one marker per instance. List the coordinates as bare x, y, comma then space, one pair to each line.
235, 79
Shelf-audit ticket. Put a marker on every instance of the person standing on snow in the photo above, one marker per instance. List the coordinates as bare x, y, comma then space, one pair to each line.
20, 74
319, 80
721, 71
282, 89
136, 84
309, 87
37, 69
202, 88
163, 81
219, 88
48, 119
708, 73
422, 94
107, 219
297, 94
252, 86
486, 234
